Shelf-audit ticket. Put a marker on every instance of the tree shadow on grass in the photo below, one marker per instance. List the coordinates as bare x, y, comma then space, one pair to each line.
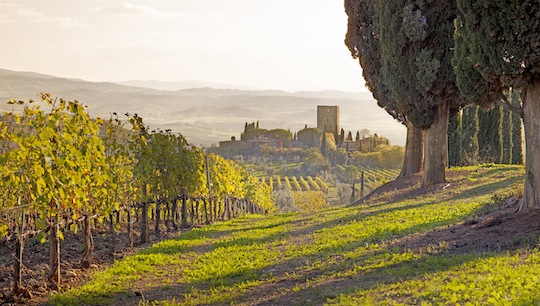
268, 291
272, 276
487, 188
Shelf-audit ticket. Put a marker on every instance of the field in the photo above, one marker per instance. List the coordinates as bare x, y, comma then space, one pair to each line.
459, 242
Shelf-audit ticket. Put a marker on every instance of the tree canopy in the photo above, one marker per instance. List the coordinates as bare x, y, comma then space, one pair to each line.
417, 39
498, 48
363, 41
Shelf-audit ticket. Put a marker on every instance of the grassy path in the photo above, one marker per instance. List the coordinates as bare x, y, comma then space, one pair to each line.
379, 253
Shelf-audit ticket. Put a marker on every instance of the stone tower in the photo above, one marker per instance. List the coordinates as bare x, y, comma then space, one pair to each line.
328, 119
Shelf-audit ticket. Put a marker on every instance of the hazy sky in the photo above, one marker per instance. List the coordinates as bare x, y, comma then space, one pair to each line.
268, 44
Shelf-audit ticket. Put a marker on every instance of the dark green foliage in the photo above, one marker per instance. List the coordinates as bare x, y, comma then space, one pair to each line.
357, 135
281, 134
454, 140
349, 136
469, 80
469, 134
417, 39
251, 134
497, 42
364, 42
310, 137
517, 137
506, 137
489, 135
252, 131
328, 144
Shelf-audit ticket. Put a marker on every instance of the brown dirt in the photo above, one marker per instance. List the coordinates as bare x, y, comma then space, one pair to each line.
504, 229
36, 259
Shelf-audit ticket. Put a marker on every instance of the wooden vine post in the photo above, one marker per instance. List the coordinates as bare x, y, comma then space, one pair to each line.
88, 242
54, 251
184, 208
18, 250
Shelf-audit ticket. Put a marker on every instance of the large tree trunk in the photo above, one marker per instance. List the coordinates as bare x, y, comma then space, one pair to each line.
436, 147
414, 154
531, 113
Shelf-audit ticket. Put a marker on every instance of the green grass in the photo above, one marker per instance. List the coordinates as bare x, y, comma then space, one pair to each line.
343, 256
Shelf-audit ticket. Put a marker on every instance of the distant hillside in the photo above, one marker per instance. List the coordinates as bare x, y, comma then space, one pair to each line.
206, 116
180, 85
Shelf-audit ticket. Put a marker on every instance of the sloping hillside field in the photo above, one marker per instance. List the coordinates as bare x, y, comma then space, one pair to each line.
460, 242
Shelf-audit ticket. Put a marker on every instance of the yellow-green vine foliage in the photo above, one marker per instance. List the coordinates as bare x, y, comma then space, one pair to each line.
52, 160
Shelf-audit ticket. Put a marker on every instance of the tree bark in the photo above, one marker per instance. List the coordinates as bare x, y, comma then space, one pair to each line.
436, 146
144, 223
205, 208
197, 217
175, 210
531, 110
414, 154
184, 208
88, 243
144, 217
129, 227
157, 220
192, 211
113, 232
54, 259
20, 239
227, 208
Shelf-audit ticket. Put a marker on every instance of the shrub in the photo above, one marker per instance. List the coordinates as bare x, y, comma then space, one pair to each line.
309, 201
344, 192
285, 200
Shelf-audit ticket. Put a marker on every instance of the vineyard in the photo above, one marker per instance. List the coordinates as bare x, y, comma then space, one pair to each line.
62, 171
438, 246
373, 178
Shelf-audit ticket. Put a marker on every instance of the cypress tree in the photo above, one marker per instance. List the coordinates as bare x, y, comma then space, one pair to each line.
364, 41
469, 135
504, 54
490, 135
417, 43
349, 136
323, 144
454, 140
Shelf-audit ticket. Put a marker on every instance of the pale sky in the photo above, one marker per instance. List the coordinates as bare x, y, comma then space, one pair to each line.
266, 44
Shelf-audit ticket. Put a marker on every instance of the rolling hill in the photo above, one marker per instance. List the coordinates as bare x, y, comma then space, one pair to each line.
205, 115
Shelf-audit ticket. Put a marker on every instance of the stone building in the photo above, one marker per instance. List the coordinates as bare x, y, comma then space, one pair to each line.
328, 119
